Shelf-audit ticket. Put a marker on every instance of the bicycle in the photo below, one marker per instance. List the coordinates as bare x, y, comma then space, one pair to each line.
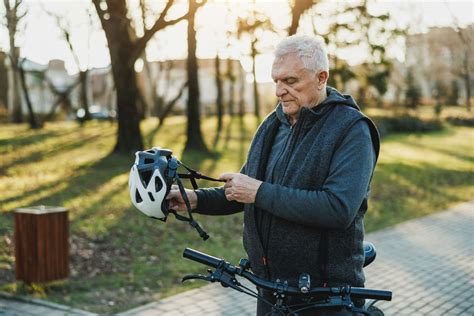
324, 297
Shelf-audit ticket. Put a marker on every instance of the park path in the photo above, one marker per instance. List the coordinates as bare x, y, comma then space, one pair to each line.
428, 263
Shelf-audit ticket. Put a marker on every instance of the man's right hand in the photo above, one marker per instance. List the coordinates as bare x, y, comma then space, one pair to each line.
176, 201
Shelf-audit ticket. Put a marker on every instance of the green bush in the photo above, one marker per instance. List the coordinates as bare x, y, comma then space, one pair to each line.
406, 123
461, 120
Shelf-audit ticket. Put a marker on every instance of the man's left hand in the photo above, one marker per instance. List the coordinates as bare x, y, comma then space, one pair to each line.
240, 188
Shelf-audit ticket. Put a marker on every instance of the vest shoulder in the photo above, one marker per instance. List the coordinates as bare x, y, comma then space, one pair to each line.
349, 111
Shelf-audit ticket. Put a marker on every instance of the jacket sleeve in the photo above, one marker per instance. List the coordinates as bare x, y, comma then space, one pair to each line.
336, 204
212, 201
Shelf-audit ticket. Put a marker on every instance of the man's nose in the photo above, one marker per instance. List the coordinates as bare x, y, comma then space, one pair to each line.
280, 90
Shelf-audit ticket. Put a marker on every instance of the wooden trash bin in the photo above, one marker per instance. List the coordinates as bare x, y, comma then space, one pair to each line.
41, 244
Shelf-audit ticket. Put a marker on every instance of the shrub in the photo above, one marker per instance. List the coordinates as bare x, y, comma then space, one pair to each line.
461, 120
406, 123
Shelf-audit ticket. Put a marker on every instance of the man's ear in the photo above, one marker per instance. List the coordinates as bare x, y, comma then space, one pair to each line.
323, 77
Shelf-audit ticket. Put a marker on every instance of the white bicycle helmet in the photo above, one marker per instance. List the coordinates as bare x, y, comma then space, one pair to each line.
148, 182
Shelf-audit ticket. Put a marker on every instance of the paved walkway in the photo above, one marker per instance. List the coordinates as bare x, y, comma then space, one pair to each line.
428, 263
13, 306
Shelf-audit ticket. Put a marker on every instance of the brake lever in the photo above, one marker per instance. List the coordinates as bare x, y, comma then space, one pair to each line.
198, 277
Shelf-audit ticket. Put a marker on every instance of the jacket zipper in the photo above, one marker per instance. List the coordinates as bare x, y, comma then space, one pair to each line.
291, 136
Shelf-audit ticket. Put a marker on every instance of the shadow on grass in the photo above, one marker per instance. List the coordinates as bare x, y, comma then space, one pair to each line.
101, 171
402, 137
26, 140
446, 151
40, 154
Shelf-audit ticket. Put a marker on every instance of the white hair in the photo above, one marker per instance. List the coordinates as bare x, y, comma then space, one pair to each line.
310, 49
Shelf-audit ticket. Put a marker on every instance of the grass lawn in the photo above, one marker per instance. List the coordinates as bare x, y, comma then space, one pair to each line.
121, 259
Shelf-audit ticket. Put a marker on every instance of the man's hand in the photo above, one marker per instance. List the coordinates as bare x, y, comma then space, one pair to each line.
176, 201
240, 188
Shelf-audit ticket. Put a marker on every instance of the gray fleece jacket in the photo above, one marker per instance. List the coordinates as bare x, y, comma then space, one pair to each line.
308, 212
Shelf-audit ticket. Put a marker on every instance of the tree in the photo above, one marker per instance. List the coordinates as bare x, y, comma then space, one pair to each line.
65, 28
250, 26
195, 140
413, 93
34, 123
464, 72
297, 9
231, 79
125, 48
3, 81
219, 97
453, 93
243, 82
354, 26
440, 93
62, 97
13, 17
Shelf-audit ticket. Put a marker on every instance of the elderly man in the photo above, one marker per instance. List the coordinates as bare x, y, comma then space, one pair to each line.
305, 184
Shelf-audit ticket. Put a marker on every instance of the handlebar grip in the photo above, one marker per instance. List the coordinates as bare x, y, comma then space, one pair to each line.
201, 257
371, 294
383, 295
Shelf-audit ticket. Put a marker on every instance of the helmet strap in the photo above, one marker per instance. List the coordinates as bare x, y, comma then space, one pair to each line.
192, 176
189, 219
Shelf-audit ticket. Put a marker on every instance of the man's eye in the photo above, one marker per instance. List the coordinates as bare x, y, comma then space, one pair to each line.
290, 81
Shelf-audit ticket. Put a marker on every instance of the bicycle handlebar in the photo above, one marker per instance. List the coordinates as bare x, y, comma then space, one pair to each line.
355, 292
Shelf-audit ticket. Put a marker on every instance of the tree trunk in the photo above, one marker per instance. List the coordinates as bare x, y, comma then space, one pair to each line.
84, 92
16, 111
129, 137
297, 10
195, 140
467, 81
256, 96
243, 82
3, 82
231, 77
31, 115
15, 98
219, 101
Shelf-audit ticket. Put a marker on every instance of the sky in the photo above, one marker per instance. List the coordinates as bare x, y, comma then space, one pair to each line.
41, 40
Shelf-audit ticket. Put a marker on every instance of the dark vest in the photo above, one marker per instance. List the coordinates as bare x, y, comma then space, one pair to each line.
290, 248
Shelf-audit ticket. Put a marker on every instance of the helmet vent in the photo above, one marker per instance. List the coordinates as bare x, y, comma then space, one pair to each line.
138, 198
149, 160
151, 197
158, 184
145, 176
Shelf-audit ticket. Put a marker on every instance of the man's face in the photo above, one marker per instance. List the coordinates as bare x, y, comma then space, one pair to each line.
295, 86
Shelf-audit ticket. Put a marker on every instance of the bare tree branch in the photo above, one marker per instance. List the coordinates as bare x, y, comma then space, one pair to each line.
170, 104
160, 24
61, 96
65, 28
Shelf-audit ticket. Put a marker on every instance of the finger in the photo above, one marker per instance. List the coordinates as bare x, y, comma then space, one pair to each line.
229, 190
229, 197
227, 176
172, 194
